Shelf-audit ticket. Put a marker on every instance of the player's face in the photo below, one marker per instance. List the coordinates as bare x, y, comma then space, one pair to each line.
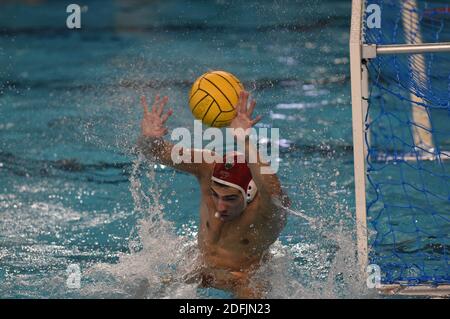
228, 201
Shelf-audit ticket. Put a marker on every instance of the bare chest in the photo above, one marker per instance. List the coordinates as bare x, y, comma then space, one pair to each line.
241, 235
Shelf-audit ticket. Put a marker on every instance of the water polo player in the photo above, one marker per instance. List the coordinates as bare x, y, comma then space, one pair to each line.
240, 215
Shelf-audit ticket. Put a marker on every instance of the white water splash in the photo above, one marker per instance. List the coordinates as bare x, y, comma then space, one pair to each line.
159, 258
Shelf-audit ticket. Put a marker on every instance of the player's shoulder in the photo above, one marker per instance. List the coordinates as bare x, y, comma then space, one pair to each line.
270, 212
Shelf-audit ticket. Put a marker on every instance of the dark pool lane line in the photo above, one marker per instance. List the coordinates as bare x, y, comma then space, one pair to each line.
116, 173
260, 84
320, 24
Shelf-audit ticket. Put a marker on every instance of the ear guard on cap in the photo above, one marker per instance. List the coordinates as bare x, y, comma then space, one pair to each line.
251, 191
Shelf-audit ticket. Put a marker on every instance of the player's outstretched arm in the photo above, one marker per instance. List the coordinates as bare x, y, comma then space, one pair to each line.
152, 144
268, 183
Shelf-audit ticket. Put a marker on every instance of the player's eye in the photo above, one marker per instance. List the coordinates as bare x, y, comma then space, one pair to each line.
213, 193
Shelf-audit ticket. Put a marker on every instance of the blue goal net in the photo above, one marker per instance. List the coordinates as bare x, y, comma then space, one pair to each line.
407, 137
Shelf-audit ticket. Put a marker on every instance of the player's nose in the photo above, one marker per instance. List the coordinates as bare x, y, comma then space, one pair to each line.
221, 206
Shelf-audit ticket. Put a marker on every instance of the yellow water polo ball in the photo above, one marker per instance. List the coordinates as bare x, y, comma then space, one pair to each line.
214, 96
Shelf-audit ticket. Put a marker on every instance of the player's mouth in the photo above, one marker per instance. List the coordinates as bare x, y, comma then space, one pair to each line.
222, 216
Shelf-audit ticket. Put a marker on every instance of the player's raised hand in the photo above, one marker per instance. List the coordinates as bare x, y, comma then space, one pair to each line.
244, 111
152, 124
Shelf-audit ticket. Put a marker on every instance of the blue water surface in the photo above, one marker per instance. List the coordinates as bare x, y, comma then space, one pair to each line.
69, 117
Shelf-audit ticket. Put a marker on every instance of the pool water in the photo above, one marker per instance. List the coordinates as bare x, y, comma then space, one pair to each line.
73, 192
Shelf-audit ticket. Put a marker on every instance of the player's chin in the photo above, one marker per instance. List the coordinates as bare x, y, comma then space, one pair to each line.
225, 217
